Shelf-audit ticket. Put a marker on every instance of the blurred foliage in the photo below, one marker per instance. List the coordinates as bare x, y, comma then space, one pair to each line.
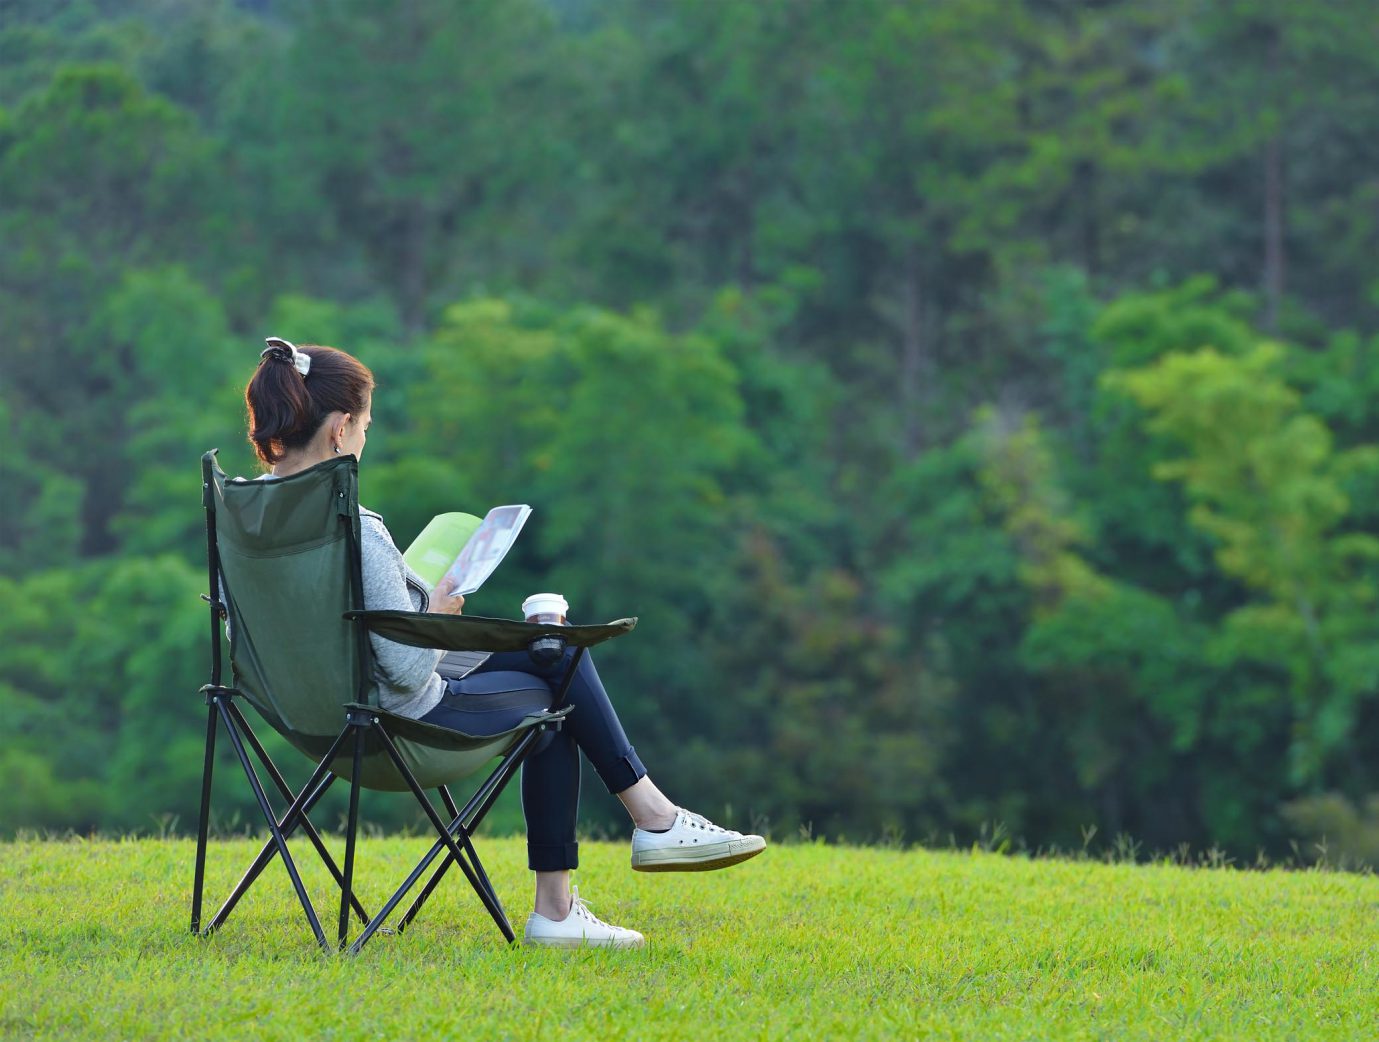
1337, 829
973, 400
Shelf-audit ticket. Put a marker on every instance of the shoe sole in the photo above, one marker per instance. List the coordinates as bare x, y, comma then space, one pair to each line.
676, 860
580, 942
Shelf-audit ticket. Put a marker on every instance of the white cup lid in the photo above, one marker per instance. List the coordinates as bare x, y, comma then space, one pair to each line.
545, 604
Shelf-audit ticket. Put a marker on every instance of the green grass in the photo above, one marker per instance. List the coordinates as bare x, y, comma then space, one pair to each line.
806, 941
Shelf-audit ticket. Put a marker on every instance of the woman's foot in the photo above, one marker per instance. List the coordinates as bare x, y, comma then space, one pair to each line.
579, 929
692, 844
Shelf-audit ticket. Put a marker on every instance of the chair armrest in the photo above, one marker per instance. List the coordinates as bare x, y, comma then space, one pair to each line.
476, 633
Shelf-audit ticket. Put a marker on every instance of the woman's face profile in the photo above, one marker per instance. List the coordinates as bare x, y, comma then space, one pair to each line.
356, 431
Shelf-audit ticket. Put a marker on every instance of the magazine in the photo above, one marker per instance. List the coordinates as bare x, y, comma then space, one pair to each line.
464, 547
468, 548
487, 547
456, 664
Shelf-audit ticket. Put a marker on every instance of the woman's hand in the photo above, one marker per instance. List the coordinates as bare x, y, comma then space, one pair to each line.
443, 601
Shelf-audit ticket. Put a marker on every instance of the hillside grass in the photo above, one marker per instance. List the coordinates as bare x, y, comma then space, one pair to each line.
806, 941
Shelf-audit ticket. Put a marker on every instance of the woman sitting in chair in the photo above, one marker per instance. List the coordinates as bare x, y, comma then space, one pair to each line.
309, 404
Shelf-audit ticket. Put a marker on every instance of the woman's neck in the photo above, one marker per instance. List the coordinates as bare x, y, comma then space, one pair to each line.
296, 462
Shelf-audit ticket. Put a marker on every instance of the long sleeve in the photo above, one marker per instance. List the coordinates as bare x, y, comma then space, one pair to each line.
407, 678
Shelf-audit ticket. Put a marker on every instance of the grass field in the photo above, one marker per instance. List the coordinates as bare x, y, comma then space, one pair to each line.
806, 941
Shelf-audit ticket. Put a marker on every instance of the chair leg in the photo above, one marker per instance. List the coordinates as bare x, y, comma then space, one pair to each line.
499, 918
269, 851
478, 878
449, 801
467, 831
278, 837
288, 795
439, 874
377, 921
482, 875
312, 791
568, 679
464, 821
199, 879
482, 801
346, 886
431, 885
445, 842
478, 807
456, 824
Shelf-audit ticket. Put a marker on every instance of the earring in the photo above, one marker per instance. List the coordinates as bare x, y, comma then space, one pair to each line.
336, 449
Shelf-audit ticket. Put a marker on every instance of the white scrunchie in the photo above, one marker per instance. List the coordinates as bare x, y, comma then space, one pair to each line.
300, 359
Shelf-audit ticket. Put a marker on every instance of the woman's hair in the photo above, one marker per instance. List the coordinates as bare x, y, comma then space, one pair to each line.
286, 409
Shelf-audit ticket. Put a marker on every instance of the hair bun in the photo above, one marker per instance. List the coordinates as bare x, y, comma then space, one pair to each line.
286, 351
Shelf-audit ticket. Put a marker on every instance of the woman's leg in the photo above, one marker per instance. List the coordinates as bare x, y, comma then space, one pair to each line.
553, 895
596, 730
550, 805
648, 806
550, 778
666, 839
493, 701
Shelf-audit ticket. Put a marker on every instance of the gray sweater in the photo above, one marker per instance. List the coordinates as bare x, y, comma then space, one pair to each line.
408, 683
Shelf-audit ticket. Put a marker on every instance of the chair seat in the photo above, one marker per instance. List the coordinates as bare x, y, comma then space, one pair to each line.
435, 755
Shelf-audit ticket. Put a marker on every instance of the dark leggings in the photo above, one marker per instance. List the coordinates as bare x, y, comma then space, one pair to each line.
491, 699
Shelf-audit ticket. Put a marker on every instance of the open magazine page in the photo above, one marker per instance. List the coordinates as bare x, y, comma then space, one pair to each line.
435, 548
487, 547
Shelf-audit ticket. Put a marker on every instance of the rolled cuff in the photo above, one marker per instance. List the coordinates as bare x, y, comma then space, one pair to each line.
622, 773
553, 857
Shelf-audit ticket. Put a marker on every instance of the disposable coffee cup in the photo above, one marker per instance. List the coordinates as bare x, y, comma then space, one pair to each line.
546, 608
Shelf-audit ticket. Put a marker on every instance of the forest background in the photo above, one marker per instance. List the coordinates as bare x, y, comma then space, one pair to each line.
972, 399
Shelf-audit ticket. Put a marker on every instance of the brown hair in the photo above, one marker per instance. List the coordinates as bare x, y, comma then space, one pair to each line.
286, 409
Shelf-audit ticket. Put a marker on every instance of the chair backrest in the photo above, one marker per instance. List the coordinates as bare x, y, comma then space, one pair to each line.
287, 553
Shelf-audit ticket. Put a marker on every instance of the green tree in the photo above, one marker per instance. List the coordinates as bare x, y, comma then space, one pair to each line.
942, 566
99, 664
813, 712
428, 128
1266, 483
632, 515
1276, 90
98, 177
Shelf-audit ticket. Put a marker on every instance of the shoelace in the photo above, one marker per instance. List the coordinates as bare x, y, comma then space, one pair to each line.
579, 908
698, 821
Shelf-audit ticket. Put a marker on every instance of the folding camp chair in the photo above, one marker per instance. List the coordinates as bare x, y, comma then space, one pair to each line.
284, 569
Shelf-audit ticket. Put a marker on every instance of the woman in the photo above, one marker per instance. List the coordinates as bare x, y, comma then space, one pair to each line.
310, 404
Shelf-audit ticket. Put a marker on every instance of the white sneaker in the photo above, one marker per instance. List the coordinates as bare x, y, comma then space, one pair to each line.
578, 929
692, 844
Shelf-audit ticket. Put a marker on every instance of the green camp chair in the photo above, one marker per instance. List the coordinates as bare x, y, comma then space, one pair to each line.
284, 556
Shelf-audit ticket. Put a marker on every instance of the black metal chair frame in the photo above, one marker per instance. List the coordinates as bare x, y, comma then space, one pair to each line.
453, 837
